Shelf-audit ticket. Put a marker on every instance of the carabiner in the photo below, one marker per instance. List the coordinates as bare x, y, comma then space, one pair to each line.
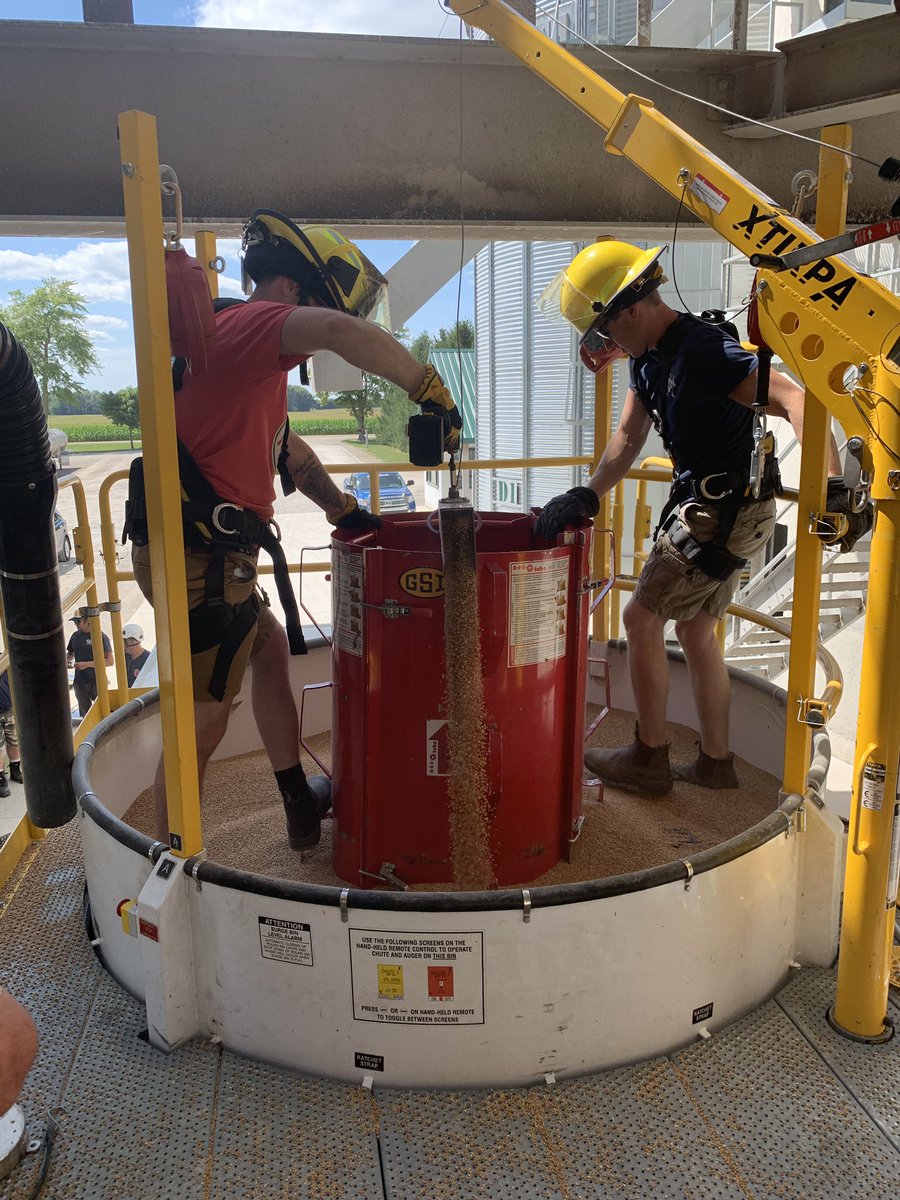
169, 187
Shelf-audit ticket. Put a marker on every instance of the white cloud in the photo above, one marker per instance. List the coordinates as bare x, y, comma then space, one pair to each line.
230, 287
408, 18
99, 322
103, 328
99, 270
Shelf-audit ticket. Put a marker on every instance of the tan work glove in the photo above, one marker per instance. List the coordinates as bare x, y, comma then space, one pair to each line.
433, 397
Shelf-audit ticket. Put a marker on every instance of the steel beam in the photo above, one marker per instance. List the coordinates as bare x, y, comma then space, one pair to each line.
364, 132
846, 74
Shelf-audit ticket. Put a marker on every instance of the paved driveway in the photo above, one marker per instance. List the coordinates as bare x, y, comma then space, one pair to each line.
302, 525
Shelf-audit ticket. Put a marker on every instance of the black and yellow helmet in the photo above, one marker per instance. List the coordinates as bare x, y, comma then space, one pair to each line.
325, 264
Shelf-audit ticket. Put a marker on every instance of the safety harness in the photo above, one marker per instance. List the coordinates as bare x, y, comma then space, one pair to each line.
220, 526
727, 491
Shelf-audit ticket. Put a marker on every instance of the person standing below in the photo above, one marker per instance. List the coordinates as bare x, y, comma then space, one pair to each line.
80, 655
312, 287
18, 1049
696, 384
135, 654
8, 737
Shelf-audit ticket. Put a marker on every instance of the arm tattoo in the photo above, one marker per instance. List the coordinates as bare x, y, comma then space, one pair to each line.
311, 477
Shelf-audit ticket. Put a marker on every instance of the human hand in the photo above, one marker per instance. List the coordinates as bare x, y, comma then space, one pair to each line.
577, 504
858, 523
354, 517
433, 397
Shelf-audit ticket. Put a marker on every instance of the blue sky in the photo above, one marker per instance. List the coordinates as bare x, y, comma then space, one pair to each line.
99, 269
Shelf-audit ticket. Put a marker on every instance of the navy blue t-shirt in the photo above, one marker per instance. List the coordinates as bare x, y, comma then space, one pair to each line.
684, 384
82, 651
133, 665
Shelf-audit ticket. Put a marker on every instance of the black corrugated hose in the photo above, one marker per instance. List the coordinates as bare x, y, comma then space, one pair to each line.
29, 584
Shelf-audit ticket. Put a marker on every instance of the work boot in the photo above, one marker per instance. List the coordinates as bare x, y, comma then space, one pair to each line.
638, 767
708, 772
304, 810
15, 772
4, 786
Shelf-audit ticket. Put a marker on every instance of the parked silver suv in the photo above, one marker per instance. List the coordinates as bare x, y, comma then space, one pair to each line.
63, 541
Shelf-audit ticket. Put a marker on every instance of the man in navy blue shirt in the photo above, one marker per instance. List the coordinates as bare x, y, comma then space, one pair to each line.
80, 655
696, 384
135, 654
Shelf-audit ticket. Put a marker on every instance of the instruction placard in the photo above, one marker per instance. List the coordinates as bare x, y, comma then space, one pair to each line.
538, 603
873, 786
417, 978
285, 941
347, 599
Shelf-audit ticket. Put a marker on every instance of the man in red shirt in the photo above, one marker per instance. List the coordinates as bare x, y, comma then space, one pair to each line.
312, 286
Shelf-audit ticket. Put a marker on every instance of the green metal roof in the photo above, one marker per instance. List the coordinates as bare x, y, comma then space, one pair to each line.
457, 369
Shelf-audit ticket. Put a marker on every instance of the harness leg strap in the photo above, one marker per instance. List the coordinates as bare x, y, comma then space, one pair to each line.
713, 557
296, 640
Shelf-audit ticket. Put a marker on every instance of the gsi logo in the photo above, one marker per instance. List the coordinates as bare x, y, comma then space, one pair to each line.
423, 581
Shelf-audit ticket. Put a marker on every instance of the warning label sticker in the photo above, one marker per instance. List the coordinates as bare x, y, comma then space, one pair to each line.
346, 600
437, 748
538, 599
873, 786
708, 193
417, 978
285, 941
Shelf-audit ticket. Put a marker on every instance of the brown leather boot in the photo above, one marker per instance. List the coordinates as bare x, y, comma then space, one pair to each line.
638, 767
708, 772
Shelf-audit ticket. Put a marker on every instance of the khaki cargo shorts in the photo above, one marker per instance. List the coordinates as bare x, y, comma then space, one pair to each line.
240, 584
673, 588
9, 739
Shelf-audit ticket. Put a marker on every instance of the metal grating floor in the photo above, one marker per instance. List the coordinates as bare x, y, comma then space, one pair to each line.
777, 1107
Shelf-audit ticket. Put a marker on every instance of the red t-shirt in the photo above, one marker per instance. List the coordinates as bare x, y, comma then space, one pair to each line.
230, 418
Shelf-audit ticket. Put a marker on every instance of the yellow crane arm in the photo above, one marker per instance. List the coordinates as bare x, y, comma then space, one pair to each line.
837, 330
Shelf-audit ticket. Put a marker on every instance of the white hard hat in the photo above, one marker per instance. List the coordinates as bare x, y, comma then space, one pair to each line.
133, 631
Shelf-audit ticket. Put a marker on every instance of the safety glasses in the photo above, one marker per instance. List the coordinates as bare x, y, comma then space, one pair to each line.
597, 339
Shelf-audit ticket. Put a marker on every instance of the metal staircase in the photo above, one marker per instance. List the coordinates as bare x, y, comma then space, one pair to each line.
770, 590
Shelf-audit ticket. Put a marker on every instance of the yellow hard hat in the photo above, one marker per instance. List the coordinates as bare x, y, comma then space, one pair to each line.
325, 264
605, 276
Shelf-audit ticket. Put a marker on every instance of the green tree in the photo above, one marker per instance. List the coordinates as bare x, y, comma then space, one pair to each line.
122, 409
460, 335
421, 346
360, 404
300, 399
396, 410
49, 324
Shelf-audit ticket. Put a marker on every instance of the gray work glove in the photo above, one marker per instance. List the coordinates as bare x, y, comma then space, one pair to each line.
577, 504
